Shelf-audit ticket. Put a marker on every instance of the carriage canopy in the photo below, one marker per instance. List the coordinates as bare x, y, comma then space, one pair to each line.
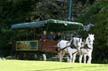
50, 24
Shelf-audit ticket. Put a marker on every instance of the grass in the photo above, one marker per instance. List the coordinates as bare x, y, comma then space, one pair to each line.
24, 65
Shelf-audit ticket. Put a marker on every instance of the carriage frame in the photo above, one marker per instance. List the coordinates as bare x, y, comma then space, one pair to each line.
37, 46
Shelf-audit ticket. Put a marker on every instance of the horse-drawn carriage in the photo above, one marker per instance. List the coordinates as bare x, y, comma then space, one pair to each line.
30, 37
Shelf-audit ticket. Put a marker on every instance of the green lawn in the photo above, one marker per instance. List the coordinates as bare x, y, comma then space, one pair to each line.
24, 65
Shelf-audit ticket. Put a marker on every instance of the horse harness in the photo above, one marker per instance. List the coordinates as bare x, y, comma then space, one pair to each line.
72, 46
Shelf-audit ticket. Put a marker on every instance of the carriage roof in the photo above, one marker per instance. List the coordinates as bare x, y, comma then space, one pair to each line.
50, 22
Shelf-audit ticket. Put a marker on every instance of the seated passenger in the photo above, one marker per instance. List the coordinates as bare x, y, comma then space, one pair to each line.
58, 36
51, 36
43, 36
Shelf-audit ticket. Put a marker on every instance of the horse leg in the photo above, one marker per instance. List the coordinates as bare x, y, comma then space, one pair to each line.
60, 56
80, 58
85, 59
70, 55
70, 58
89, 59
74, 58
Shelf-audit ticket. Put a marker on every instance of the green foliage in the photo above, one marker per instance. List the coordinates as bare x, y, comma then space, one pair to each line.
97, 14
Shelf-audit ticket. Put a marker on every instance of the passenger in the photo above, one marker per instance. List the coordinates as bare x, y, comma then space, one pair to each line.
58, 36
43, 36
51, 36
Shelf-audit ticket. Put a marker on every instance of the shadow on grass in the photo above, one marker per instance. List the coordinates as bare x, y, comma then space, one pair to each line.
64, 68
55, 69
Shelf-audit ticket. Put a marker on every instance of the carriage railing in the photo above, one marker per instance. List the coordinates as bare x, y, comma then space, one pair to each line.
44, 45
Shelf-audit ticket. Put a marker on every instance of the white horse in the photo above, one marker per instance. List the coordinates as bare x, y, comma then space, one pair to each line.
65, 47
86, 49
